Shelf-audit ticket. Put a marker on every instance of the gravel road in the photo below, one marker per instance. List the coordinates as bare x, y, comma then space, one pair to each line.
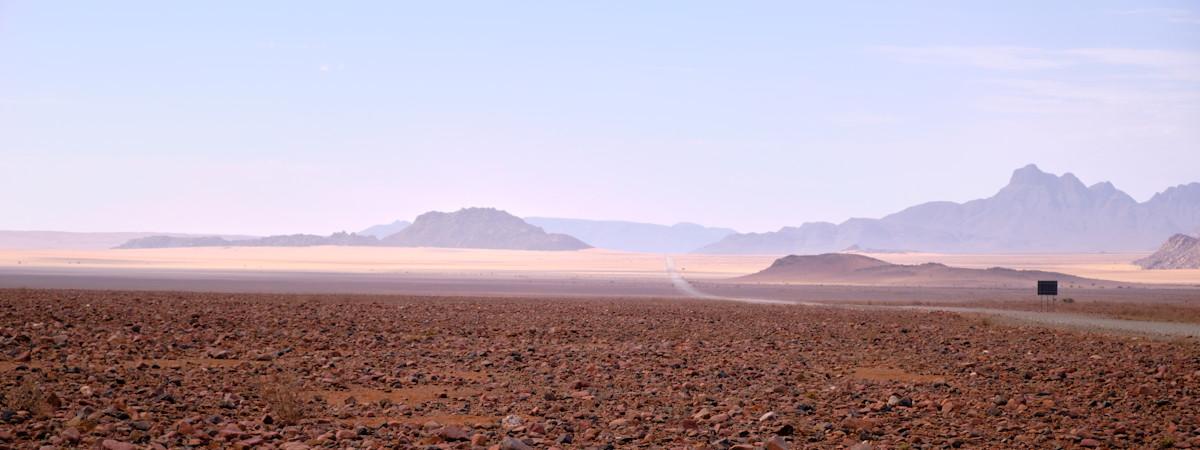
1081, 321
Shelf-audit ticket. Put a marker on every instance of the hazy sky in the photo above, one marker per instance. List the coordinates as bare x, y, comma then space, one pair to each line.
270, 117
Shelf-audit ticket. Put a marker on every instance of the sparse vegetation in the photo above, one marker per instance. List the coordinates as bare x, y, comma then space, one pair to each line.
27, 396
281, 393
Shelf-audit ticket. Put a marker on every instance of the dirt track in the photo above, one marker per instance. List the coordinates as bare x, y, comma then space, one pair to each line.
1047, 317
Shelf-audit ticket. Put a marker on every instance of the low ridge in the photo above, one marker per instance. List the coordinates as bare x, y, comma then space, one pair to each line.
288, 240
852, 269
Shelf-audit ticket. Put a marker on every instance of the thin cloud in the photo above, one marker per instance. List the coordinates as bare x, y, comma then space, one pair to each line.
863, 119
1172, 64
1123, 93
997, 57
1171, 15
1175, 64
326, 68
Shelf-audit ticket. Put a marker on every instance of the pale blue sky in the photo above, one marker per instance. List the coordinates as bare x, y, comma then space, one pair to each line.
273, 117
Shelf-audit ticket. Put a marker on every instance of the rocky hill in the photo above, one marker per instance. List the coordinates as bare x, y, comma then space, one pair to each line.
1035, 212
480, 228
1179, 252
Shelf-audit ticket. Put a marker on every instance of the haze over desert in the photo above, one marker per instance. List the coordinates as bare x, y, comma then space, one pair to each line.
598, 225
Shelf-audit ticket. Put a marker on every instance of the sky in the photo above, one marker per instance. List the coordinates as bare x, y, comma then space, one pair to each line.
270, 117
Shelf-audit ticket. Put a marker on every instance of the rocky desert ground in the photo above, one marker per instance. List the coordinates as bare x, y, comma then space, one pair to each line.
123, 370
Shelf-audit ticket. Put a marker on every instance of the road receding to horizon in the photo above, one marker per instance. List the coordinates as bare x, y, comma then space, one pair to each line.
1048, 318
688, 290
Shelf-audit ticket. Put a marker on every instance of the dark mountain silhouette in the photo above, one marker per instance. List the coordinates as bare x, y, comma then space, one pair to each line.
634, 236
480, 228
1179, 252
1035, 212
841, 268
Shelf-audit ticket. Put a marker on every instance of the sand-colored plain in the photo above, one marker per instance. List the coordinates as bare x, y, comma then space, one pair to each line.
384, 260
593, 263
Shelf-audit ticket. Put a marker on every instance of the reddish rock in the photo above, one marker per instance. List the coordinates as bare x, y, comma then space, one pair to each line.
777, 443
110, 444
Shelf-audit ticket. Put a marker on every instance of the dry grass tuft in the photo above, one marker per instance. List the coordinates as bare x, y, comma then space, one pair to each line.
28, 396
282, 396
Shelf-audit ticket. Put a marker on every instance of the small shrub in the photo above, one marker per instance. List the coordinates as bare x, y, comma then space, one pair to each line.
281, 393
27, 396
1068, 300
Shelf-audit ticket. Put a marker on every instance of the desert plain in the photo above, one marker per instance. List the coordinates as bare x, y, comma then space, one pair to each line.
333, 347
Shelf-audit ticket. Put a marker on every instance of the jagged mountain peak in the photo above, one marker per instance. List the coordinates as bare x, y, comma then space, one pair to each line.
1190, 191
1031, 176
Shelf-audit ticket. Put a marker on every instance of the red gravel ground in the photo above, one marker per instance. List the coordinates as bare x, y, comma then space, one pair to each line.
122, 370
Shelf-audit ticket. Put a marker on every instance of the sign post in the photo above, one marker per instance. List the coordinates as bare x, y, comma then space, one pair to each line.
1047, 290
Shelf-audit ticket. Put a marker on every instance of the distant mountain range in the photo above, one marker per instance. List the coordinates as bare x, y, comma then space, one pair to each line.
1179, 252
467, 228
479, 228
69, 240
844, 268
634, 236
288, 240
1035, 212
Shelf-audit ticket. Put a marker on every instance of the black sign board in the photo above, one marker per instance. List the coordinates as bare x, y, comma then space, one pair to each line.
1047, 287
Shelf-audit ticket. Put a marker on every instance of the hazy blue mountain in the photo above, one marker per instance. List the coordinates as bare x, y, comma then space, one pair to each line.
479, 228
634, 236
386, 229
1035, 212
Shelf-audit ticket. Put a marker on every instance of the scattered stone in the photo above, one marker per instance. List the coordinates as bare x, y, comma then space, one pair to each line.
452, 433
110, 444
511, 422
777, 443
374, 372
511, 443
